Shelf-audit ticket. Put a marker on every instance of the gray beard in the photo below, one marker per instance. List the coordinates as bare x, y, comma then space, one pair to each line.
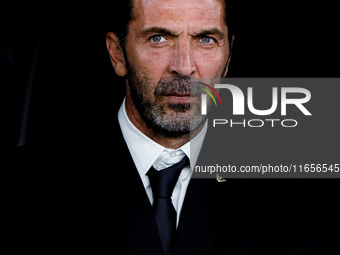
175, 124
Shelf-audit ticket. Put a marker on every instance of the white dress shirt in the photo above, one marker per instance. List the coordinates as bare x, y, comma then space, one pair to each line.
146, 153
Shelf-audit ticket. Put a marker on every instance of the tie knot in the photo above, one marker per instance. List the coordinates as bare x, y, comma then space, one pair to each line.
163, 182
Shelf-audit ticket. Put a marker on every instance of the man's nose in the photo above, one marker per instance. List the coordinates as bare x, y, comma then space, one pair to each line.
182, 60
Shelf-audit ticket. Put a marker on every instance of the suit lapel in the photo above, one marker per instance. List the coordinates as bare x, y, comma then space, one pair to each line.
205, 203
130, 205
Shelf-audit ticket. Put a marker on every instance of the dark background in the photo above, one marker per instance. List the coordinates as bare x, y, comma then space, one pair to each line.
75, 92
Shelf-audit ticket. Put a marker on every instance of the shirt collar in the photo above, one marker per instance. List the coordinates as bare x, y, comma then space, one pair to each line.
145, 151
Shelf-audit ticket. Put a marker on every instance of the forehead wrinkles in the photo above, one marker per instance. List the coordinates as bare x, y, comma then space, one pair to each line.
174, 13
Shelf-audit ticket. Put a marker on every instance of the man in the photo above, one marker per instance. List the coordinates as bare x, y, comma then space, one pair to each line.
104, 200
159, 58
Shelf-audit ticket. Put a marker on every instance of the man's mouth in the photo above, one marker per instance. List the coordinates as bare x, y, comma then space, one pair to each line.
178, 98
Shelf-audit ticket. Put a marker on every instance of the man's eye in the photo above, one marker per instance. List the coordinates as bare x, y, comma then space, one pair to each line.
207, 39
157, 38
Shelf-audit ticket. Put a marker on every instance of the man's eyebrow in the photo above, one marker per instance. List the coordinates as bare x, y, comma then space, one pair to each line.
156, 30
161, 30
212, 31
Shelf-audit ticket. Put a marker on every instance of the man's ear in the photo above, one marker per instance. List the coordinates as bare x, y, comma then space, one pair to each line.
116, 54
229, 57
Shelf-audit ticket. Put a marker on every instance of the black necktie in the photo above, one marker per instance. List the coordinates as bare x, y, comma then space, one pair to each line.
162, 184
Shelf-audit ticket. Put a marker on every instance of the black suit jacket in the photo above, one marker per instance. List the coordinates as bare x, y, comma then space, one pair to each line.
89, 199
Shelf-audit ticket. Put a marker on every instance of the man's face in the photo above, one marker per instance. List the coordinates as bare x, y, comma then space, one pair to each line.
169, 42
